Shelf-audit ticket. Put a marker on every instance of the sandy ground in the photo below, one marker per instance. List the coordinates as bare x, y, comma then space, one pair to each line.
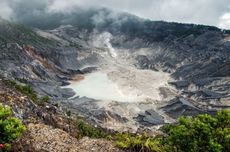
143, 84
120, 81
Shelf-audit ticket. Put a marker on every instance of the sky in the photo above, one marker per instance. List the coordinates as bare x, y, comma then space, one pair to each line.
208, 12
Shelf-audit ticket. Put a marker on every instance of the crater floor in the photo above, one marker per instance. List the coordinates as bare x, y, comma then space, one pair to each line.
121, 85
123, 92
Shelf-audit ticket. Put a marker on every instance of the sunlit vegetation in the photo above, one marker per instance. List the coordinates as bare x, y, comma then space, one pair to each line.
85, 129
10, 128
29, 92
138, 143
204, 133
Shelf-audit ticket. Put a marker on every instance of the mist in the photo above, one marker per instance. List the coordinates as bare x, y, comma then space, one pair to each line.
208, 12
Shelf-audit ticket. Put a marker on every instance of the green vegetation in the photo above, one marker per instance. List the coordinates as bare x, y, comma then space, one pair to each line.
24, 89
85, 129
68, 113
29, 92
45, 99
13, 32
10, 128
204, 133
31, 36
138, 143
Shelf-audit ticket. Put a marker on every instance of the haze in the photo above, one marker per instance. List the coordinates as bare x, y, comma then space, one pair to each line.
208, 12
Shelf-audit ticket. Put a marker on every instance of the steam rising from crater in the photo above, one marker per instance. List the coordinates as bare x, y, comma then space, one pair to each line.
103, 41
109, 45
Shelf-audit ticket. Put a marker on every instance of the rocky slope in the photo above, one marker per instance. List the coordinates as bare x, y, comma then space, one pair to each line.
196, 57
42, 137
48, 128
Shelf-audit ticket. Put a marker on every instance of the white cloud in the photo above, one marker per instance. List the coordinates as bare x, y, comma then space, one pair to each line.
208, 12
62, 6
5, 11
225, 21
188, 11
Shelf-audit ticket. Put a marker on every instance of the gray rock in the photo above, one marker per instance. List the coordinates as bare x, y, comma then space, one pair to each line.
149, 118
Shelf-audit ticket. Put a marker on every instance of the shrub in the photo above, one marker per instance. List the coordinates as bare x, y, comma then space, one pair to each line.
30, 93
42, 101
45, 99
68, 113
140, 143
85, 129
203, 133
24, 89
10, 127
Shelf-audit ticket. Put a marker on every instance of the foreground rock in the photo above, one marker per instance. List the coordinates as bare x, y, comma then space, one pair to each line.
44, 138
48, 128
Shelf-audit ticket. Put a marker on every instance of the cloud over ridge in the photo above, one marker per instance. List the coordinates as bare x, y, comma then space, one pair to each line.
209, 12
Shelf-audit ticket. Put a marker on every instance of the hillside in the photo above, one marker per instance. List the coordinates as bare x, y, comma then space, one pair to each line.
48, 127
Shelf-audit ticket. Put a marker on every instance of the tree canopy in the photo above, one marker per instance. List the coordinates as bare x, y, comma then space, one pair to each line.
204, 133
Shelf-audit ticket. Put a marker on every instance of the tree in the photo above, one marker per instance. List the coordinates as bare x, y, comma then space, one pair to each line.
10, 127
203, 133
